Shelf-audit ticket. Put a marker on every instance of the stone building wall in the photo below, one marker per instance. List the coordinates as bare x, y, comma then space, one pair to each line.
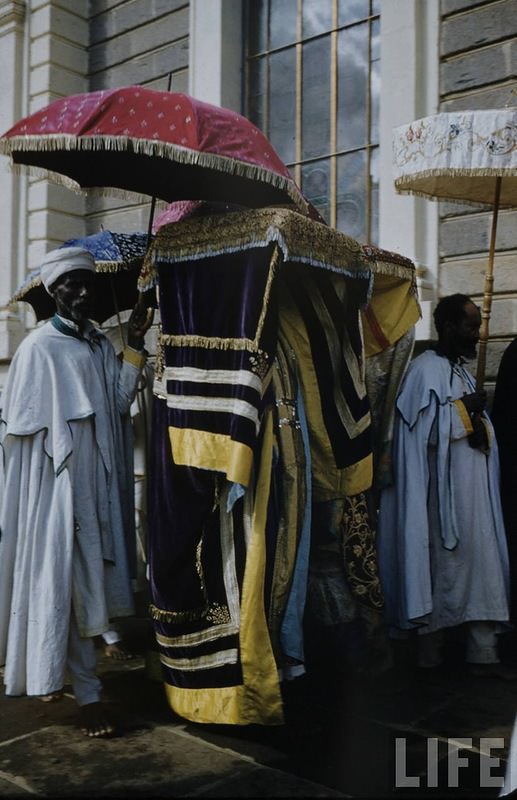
144, 42
478, 70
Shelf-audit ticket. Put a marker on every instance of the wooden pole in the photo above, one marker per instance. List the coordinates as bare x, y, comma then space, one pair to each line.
488, 292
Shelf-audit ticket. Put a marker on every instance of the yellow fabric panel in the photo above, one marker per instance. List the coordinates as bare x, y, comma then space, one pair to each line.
258, 700
215, 451
464, 416
339, 482
224, 705
134, 357
395, 310
258, 662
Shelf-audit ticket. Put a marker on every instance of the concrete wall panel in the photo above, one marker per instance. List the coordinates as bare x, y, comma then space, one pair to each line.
482, 26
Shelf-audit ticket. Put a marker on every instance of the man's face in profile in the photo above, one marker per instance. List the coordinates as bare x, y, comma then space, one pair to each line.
467, 331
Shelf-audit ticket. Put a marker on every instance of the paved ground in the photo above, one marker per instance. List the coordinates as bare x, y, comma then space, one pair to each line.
339, 740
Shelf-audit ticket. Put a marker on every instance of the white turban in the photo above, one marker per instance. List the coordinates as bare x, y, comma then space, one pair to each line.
64, 259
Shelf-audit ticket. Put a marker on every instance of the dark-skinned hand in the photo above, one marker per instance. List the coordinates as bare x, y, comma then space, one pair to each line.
139, 323
478, 439
474, 402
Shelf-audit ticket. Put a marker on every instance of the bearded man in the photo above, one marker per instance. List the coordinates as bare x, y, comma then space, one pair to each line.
442, 550
67, 505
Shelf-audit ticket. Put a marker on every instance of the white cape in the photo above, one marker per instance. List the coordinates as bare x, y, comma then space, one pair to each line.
67, 504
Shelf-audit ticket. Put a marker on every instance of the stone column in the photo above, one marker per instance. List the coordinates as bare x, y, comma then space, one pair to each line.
409, 90
215, 59
12, 187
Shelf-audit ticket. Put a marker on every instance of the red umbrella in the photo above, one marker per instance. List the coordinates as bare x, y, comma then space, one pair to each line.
147, 142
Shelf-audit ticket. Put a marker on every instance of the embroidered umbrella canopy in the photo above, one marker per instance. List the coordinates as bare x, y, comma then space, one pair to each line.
164, 144
118, 259
464, 156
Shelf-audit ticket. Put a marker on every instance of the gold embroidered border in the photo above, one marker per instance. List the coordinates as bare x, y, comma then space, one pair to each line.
298, 238
214, 613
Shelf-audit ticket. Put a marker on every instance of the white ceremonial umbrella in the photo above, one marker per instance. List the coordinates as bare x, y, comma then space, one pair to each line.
462, 156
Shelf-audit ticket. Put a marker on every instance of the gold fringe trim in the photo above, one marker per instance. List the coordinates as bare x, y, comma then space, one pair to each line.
394, 270
100, 267
20, 295
219, 343
152, 148
208, 342
298, 238
117, 266
404, 184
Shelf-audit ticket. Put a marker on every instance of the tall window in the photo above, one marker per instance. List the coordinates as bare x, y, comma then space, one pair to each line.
313, 89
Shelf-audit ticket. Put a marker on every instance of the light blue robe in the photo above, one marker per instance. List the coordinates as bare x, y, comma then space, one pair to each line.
441, 542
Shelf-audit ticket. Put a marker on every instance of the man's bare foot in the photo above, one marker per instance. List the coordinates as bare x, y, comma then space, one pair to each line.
117, 652
95, 722
53, 697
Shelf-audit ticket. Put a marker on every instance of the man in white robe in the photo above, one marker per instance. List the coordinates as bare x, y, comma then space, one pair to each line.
67, 509
442, 549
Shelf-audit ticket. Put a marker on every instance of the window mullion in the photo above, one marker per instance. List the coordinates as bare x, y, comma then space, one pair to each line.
333, 118
299, 91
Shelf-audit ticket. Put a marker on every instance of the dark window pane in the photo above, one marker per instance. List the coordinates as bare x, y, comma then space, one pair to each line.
375, 81
376, 7
352, 87
352, 11
316, 17
373, 236
281, 117
316, 98
257, 26
315, 186
256, 98
282, 23
351, 195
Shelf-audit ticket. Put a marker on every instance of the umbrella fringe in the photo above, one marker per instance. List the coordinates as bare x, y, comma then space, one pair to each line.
299, 240
381, 267
404, 184
20, 295
100, 267
150, 147
220, 343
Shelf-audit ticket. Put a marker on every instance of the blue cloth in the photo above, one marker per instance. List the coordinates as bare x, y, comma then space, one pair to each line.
441, 543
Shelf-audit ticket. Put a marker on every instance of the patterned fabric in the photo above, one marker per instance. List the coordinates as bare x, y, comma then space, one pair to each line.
216, 362
319, 318
360, 557
207, 579
300, 240
118, 259
456, 156
159, 143
223, 556
221, 279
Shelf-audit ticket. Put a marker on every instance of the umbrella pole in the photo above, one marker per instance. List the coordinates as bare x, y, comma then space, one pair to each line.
488, 292
117, 311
